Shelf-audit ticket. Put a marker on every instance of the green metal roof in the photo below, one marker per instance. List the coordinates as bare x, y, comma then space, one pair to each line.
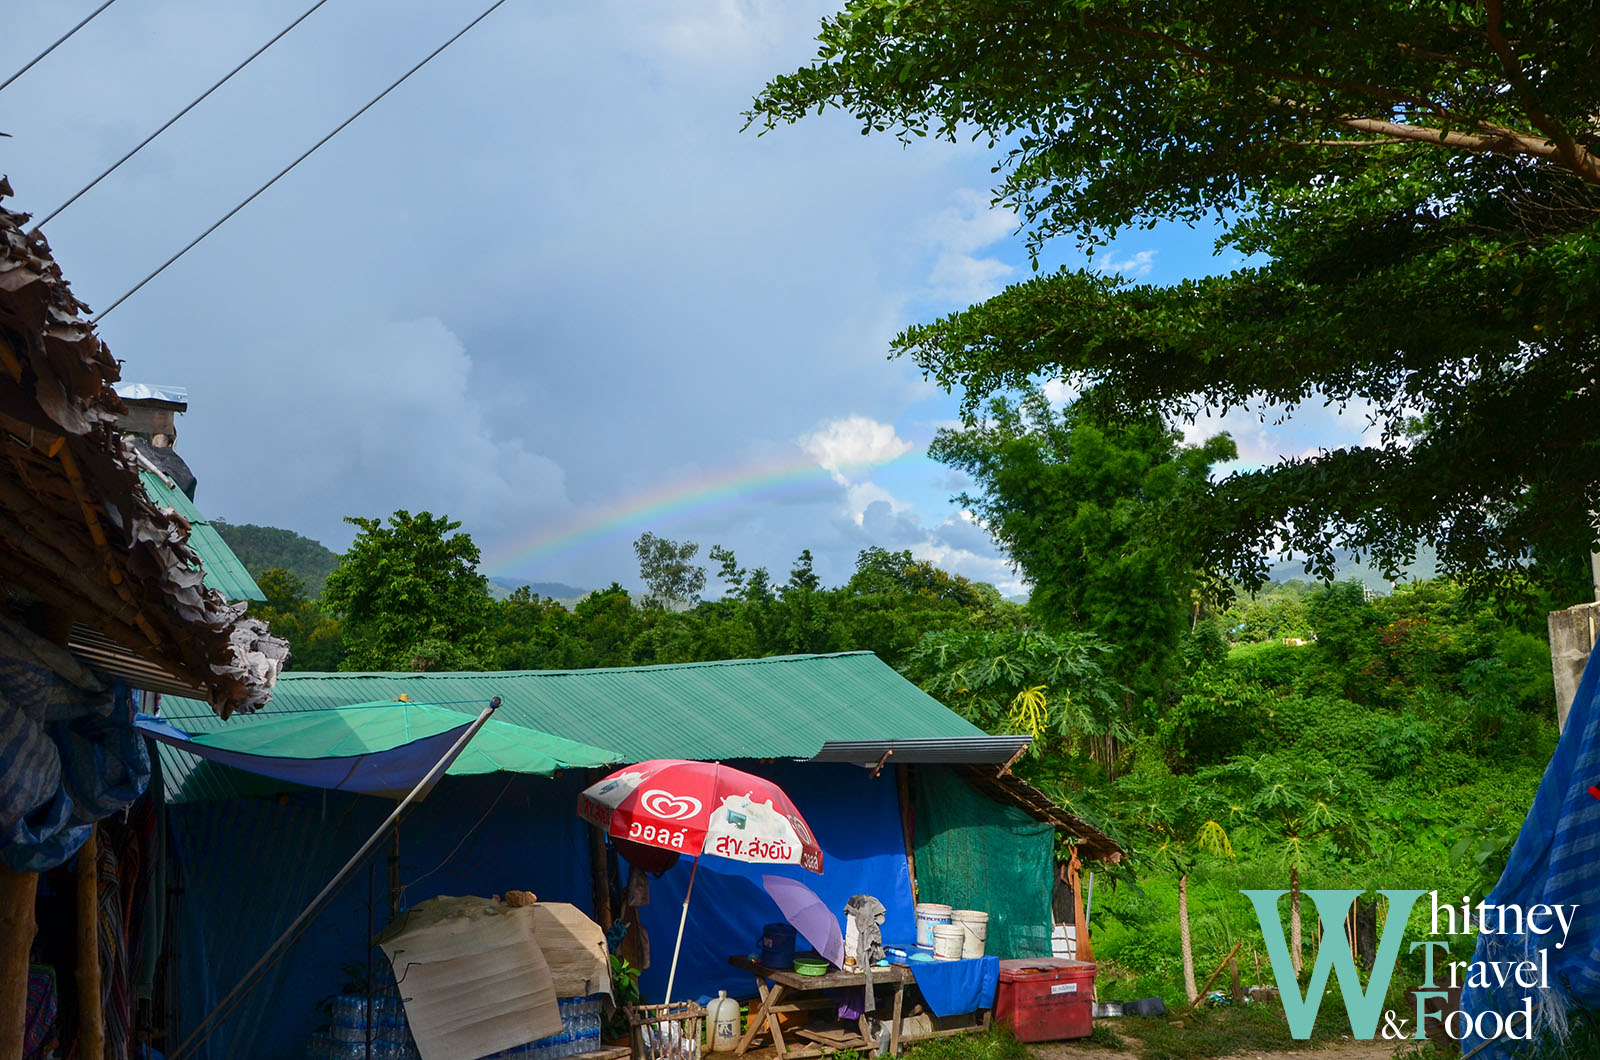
781, 707
224, 572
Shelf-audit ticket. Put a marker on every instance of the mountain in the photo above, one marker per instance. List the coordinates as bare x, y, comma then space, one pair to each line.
262, 548
502, 587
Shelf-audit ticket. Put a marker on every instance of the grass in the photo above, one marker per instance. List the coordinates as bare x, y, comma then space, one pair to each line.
1198, 1035
1207, 1033
997, 1043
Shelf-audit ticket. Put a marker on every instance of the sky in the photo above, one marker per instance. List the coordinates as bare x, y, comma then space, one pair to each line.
548, 286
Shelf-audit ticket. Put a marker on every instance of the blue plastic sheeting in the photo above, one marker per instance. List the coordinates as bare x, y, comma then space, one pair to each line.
250, 865
395, 769
856, 820
68, 758
1553, 862
954, 988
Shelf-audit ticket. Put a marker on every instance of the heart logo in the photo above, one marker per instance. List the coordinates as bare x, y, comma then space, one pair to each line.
667, 806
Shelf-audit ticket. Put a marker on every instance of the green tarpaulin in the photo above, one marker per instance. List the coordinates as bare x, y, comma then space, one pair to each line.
973, 853
374, 747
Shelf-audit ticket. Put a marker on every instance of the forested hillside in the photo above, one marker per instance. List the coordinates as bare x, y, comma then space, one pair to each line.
262, 548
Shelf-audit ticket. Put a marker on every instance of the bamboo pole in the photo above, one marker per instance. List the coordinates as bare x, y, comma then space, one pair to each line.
1213, 976
91, 1017
17, 893
902, 783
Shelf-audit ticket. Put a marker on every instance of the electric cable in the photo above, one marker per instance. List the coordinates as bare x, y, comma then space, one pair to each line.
173, 120
59, 42
307, 154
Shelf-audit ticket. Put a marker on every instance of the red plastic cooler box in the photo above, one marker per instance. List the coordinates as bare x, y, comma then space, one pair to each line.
1045, 999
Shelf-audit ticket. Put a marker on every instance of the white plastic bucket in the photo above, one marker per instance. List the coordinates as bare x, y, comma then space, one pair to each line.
948, 941
976, 925
929, 916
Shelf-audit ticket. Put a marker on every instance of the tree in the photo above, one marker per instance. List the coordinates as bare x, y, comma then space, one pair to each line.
1302, 801
1178, 819
1420, 182
1052, 687
668, 571
410, 595
1091, 508
316, 639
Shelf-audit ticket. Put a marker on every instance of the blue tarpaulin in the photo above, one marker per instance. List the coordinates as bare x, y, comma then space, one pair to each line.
395, 769
1554, 861
856, 820
247, 866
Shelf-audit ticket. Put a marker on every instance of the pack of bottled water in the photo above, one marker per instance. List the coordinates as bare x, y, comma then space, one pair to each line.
365, 1031
582, 1019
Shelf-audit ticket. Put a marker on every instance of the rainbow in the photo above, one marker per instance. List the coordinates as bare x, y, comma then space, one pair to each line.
793, 477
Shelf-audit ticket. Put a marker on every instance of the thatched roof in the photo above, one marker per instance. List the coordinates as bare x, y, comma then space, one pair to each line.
78, 534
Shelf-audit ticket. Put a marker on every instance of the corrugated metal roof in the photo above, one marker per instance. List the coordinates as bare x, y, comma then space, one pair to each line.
224, 572
782, 707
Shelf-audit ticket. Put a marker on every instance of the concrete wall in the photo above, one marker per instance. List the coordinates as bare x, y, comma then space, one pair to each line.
1572, 638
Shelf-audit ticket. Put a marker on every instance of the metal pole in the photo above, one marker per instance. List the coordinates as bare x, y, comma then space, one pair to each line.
301, 922
683, 918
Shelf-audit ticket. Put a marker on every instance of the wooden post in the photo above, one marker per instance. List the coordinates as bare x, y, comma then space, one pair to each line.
17, 893
91, 1018
1237, 996
599, 878
902, 781
1085, 951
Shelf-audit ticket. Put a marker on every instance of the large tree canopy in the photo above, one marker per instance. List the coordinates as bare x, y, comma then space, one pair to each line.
1420, 179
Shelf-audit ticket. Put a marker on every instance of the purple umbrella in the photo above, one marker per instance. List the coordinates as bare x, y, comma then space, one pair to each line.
807, 914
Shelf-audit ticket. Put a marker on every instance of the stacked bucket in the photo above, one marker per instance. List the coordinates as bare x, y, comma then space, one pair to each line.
952, 934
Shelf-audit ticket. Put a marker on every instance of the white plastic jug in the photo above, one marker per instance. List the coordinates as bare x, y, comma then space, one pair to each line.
723, 1016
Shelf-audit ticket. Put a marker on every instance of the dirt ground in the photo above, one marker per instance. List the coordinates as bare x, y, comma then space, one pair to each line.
1377, 1050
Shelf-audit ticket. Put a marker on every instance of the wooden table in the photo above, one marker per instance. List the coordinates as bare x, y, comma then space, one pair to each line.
776, 999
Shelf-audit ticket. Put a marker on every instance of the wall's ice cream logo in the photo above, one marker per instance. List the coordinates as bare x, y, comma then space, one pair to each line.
667, 806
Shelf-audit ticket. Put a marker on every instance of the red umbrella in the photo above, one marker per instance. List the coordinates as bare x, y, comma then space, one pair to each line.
701, 808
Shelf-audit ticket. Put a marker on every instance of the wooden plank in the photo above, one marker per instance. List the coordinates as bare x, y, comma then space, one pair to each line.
839, 1038
894, 1021
756, 1019
91, 1017
18, 891
885, 976
611, 1052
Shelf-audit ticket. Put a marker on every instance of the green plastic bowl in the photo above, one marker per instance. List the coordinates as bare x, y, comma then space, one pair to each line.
810, 966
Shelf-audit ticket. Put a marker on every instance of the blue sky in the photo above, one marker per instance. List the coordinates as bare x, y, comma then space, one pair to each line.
546, 283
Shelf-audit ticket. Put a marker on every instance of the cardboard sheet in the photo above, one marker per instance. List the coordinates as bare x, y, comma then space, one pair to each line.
575, 948
473, 978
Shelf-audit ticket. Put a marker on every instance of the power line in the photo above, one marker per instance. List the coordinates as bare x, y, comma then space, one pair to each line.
59, 42
172, 120
307, 154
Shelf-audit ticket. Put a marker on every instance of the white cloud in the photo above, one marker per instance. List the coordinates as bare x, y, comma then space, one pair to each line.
1137, 264
1059, 392
390, 422
960, 274
854, 443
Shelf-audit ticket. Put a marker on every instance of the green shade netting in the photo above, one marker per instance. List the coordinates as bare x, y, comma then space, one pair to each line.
974, 853
364, 728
